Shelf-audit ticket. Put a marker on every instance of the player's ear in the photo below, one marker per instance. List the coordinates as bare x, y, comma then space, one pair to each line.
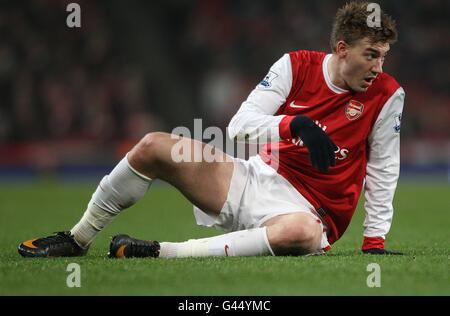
341, 49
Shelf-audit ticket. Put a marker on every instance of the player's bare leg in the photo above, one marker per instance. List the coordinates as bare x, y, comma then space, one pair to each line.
205, 184
294, 234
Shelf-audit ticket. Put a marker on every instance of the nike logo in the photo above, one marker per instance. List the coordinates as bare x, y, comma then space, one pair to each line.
293, 105
120, 252
29, 244
226, 250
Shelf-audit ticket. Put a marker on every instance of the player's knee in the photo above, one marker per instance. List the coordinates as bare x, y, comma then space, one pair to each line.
303, 231
151, 141
146, 151
297, 235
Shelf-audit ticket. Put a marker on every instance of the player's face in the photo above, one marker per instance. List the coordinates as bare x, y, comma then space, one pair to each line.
363, 62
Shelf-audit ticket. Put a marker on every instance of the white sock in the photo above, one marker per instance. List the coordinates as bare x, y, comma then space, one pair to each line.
93, 221
251, 242
123, 187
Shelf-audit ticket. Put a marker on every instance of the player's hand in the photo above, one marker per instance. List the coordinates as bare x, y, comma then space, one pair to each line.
378, 251
321, 148
375, 246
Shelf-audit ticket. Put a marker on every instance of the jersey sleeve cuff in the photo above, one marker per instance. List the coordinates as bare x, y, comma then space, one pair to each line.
373, 242
284, 128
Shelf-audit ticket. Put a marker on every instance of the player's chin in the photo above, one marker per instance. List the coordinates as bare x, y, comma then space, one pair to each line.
361, 87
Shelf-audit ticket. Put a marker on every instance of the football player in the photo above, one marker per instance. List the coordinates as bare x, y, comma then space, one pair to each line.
333, 121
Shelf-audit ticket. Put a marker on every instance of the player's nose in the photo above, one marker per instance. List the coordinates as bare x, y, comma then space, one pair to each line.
378, 66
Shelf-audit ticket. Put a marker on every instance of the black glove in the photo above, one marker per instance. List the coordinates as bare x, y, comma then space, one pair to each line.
378, 251
321, 148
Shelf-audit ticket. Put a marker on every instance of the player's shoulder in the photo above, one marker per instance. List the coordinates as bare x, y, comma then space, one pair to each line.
386, 85
307, 57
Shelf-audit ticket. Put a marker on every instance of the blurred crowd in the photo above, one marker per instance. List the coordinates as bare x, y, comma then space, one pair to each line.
139, 66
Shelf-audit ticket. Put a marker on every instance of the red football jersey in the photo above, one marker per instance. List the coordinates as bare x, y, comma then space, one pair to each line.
347, 118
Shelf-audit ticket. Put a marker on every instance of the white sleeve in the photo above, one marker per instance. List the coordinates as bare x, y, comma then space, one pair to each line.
383, 167
255, 120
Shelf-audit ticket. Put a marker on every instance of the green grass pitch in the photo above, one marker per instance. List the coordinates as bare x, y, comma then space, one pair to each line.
421, 229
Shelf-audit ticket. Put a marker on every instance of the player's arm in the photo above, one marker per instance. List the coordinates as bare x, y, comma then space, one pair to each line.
256, 120
382, 174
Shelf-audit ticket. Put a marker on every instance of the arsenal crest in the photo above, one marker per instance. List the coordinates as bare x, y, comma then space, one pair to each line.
354, 109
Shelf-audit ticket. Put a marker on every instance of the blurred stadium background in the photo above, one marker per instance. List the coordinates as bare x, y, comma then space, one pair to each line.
73, 101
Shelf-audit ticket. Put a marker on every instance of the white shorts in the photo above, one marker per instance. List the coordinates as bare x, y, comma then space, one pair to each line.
257, 193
